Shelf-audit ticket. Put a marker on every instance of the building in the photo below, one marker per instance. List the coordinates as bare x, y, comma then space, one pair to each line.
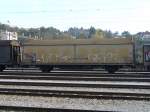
146, 36
6, 35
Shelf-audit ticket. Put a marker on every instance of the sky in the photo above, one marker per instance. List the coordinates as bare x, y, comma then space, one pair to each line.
114, 15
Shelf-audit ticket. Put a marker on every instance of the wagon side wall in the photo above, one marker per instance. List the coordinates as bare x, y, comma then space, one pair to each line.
119, 54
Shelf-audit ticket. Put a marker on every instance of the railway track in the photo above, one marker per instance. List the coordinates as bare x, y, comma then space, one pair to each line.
40, 109
70, 84
83, 69
80, 74
37, 84
78, 78
76, 94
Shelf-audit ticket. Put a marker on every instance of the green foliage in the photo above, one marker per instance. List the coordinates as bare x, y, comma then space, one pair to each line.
81, 36
71, 33
92, 32
108, 34
98, 34
126, 34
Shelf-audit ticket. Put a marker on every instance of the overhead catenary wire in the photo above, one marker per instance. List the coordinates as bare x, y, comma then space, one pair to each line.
66, 10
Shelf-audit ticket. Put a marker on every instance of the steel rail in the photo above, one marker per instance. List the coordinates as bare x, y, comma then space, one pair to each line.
76, 94
76, 78
96, 69
40, 109
24, 83
74, 74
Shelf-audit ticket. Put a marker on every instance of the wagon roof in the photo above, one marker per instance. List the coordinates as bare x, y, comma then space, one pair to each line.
78, 41
9, 42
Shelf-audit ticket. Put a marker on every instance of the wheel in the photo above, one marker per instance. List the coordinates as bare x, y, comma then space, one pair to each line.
148, 68
46, 69
2, 68
111, 69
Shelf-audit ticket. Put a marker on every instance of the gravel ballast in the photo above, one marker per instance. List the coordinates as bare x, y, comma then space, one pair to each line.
76, 103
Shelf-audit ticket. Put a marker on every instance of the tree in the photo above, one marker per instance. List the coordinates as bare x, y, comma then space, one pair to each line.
126, 34
82, 36
116, 34
99, 34
92, 31
65, 36
42, 32
108, 34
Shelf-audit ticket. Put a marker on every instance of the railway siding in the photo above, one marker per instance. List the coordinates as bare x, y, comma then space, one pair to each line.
75, 90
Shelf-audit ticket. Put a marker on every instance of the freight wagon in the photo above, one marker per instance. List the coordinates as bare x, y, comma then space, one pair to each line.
110, 54
9, 54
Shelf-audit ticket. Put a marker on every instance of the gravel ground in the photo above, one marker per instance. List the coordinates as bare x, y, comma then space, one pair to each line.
79, 82
76, 103
78, 89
